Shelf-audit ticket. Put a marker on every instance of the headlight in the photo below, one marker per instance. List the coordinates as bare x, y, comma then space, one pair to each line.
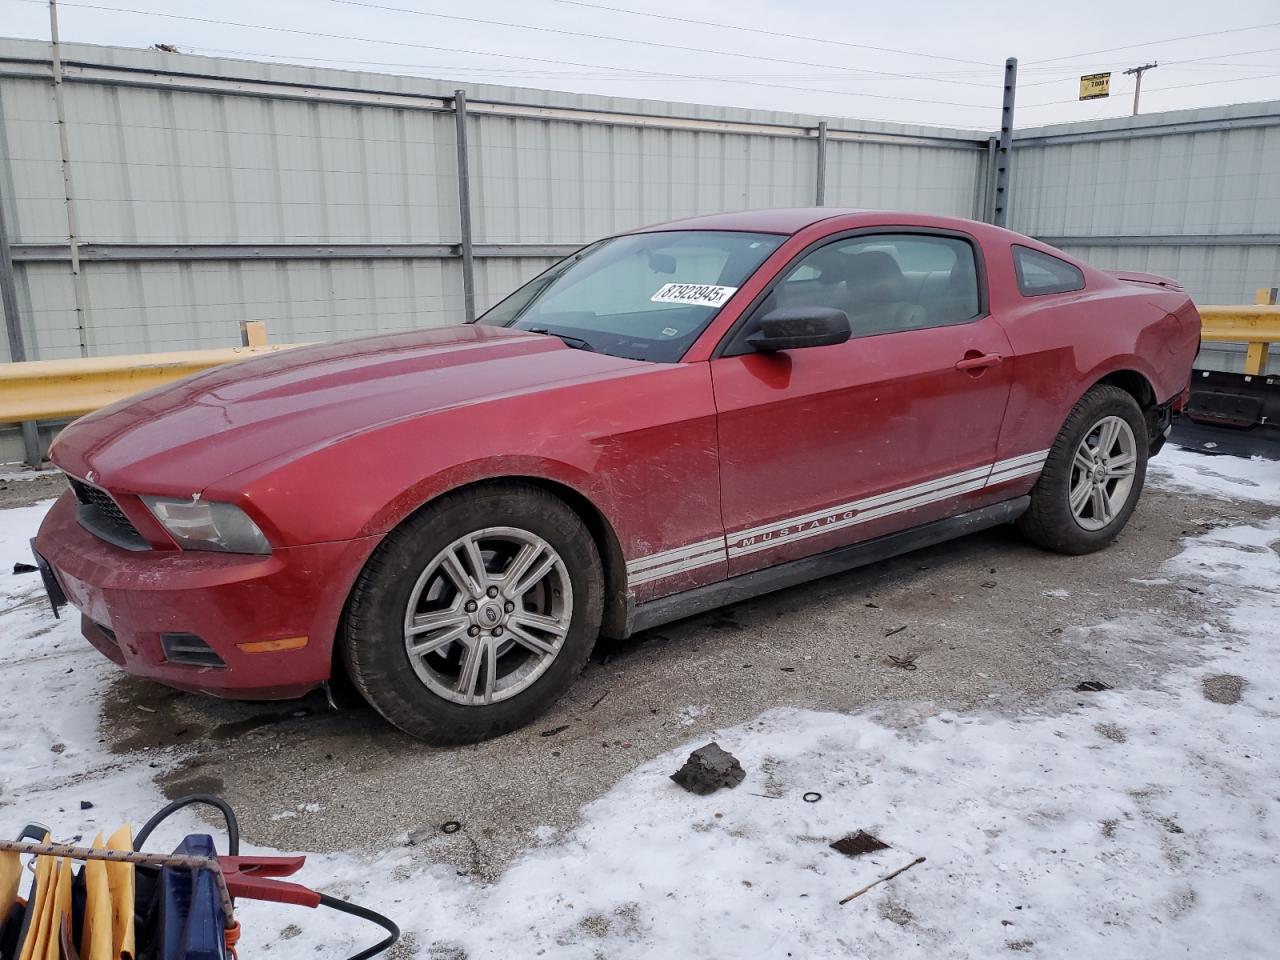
208, 525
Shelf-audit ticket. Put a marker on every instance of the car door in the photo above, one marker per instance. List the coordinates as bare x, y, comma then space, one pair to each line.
825, 446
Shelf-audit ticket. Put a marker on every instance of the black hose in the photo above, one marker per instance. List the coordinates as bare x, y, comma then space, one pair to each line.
364, 913
233, 825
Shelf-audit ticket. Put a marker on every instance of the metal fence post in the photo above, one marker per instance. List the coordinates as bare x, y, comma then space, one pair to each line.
464, 205
1000, 205
989, 187
820, 193
78, 285
13, 327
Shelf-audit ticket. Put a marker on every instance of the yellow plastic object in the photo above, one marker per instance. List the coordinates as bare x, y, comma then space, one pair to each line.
120, 883
10, 876
52, 908
42, 897
60, 915
96, 935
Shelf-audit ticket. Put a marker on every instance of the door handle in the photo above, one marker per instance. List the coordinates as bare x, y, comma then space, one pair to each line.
979, 362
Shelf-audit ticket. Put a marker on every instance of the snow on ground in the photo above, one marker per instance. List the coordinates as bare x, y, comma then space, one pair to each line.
1135, 823
1220, 477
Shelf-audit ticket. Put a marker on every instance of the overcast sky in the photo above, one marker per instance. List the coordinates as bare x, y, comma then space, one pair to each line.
923, 61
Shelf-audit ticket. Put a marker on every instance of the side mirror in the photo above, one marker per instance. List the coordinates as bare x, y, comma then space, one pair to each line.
791, 328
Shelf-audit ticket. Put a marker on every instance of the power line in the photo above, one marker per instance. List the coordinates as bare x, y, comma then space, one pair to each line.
1193, 61
1152, 43
768, 33
509, 56
649, 43
1176, 86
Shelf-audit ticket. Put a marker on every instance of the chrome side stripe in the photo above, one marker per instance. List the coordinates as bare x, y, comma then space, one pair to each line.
880, 499
858, 511
670, 562
666, 563
1023, 466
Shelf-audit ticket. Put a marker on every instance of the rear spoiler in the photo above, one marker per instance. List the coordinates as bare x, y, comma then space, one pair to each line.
1151, 279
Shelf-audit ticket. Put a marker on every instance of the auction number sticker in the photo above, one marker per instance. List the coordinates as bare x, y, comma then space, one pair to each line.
703, 294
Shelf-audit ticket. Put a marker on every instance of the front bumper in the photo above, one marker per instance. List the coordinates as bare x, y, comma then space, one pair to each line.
129, 599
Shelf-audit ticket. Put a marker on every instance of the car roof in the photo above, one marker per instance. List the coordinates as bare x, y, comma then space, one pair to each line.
789, 220
782, 220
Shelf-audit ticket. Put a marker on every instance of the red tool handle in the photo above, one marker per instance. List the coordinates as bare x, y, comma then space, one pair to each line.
254, 879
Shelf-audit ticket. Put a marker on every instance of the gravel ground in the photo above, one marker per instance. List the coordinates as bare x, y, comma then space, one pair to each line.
986, 619
25, 488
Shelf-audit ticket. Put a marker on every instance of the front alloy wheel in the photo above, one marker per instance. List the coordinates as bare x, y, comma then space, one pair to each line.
474, 615
488, 615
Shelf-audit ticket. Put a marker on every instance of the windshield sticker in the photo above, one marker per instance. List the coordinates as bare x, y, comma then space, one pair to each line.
703, 294
669, 331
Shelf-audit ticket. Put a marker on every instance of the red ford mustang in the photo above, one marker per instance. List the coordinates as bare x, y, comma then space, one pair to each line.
669, 420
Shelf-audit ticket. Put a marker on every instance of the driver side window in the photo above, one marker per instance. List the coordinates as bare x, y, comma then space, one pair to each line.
885, 283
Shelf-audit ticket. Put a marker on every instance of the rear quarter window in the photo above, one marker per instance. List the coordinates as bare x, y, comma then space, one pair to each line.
1040, 273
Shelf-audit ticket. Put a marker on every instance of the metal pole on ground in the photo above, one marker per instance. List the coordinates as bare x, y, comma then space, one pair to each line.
820, 191
464, 205
1004, 150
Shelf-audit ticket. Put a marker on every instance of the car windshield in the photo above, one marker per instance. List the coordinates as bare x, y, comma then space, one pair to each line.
645, 296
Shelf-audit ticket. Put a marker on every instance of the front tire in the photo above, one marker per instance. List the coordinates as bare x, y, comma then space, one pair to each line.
1093, 476
474, 616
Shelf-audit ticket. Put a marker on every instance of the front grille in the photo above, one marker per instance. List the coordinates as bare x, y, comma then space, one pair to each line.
102, 517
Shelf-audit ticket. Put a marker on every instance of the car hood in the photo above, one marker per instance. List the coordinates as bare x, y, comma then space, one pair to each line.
182, 437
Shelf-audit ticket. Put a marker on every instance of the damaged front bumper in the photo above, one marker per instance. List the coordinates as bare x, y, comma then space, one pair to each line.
239, 626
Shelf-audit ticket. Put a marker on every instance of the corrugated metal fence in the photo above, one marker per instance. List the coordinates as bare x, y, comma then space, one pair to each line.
1193, 195
326, 202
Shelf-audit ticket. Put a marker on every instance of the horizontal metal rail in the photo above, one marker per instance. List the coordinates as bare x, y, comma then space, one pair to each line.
1035, 137
187, 81
51, 389
170, 252
1159, 240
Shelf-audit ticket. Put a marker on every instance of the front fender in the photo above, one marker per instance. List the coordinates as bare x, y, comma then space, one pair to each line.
641, 450
521, 467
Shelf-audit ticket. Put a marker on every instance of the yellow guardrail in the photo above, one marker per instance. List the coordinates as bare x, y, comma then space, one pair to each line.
54, 389
1257, 326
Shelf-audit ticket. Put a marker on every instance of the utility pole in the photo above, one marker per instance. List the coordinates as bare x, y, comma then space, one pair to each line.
1137, 86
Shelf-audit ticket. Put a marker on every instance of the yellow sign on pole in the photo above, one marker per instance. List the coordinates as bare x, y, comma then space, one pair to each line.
1095, 86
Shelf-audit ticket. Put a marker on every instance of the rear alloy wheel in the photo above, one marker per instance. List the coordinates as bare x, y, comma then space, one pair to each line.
1102, 473
476, 614
1093, 476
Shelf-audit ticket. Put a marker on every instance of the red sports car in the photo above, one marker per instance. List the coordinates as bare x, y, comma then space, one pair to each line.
666, 421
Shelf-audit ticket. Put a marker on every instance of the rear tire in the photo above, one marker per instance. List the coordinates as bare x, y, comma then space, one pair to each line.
475, 615
1093, 477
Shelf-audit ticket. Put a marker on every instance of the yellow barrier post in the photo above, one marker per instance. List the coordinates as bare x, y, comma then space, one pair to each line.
1255, 360
253, 333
